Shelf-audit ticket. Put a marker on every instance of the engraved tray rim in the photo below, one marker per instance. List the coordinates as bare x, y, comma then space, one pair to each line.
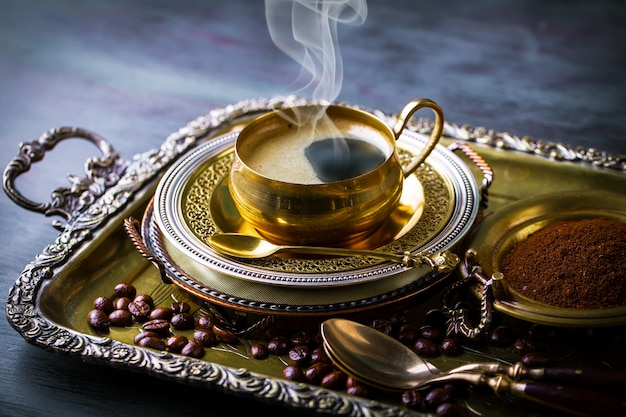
464, 207
128, 182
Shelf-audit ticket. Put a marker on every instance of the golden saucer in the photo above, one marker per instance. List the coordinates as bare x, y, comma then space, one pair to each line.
192, 202
502, 229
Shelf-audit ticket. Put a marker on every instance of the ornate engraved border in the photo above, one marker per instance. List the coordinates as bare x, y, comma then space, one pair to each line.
111, 184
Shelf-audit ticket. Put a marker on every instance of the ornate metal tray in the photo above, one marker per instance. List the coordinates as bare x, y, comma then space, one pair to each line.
49, 301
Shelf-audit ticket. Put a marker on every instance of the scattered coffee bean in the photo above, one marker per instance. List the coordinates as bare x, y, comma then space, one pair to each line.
411, 399
431, 332
524, 346
139, 309
207, 321
158, 326
437, 396
182, 321
193, 349
316, 372
125, 290
175, 343
143, 334
99, 320
146, 299
259, 351
181, 307
334, 380
121, 303
501, 336
293, 373
300, 355
278, 346
359, 390
205, 336
152, 342
535, 359
120, 318
451, 347
103, 303
426, 347
319, 355
163, 313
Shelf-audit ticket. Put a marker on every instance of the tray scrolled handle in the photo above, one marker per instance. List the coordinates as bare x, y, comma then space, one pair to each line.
458, 317
101, 173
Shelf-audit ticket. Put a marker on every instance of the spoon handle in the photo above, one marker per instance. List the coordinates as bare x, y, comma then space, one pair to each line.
575, 400
444, 261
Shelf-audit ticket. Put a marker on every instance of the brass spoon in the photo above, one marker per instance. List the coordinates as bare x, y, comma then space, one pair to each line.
378, 359
254, 247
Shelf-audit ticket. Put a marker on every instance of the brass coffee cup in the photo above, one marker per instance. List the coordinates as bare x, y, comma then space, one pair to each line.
277, 190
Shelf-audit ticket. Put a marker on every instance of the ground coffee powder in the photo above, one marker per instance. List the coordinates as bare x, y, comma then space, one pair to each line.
578, 264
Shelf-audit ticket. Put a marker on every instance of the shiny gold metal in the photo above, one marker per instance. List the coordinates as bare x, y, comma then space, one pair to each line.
323, 213
254, 247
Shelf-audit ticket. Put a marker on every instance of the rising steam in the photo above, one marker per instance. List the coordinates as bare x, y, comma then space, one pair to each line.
306, 30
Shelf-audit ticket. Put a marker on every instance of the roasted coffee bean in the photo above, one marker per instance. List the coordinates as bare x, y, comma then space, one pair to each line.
121, 303
535, 360
437, 396
223, 334
316, 372
182, 321
146, 299
194, 349
120, 318
205, 336
158, 326
426, 347
316, 339
431, 332
163, 313
207, 321
99, 320
152, 342
300, 338
451, 347
319, 355
143, 334
358, 390
300, 355
103, 303
293, 373
278, 346
383, 325
352, 381
175, 343
451, 410
407, 334
412, 399
501, 336
139, 309
334, 380
524, 346
125, 290
181, 307
259, 351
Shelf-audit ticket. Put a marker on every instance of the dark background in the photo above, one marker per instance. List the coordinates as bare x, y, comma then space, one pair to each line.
135, 71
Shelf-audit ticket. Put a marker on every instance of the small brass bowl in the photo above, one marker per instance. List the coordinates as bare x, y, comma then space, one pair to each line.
274, 193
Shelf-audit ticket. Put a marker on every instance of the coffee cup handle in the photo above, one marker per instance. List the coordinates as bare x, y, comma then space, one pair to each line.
435, 134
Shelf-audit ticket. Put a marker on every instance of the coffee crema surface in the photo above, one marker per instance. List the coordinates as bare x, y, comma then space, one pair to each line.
303, 155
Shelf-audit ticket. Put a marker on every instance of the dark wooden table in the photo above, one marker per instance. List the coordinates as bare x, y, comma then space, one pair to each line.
136, 71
